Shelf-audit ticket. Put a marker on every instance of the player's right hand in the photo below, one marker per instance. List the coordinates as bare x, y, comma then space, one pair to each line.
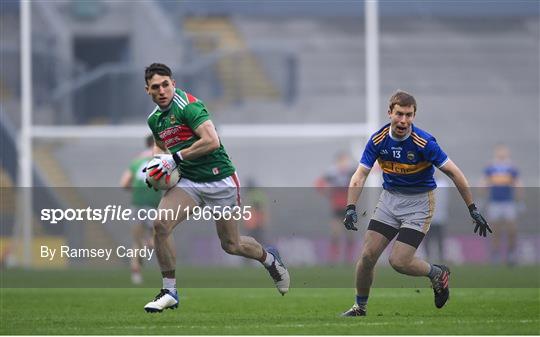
482, 226
165, 166
351, 218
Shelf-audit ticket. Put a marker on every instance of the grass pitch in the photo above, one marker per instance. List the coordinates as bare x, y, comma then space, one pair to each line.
261, 311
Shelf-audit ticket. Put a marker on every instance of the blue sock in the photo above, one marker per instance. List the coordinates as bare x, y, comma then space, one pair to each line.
361, 301
434, 272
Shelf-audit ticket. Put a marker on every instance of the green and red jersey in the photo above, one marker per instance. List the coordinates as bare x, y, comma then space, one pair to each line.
175, 125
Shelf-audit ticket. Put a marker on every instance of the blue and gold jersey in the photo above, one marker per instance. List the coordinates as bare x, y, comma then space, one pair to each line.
407, 164
501, 179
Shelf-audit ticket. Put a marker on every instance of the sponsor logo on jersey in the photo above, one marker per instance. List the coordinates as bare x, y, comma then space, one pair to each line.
410, 155
174, 135
383, 152
391, 167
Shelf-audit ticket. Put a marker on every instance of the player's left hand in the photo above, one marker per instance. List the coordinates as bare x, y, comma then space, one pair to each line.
482, 227
165, 167
351, 218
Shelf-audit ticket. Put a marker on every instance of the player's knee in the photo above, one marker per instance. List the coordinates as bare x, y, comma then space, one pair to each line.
399, 263
368, 260
230, 247
161, 227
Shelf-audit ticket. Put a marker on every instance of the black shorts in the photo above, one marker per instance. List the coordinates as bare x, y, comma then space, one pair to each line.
406, 235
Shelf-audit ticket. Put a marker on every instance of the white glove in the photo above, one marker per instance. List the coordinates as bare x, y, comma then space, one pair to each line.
165, 166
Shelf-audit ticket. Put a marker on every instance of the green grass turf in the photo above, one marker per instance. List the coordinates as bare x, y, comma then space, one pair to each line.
341, 276
262, 311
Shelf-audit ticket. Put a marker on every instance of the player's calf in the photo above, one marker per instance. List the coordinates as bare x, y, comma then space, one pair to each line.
231, 247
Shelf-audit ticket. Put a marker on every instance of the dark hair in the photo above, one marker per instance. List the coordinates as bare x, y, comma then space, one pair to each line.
156, 68
402, 98
149, 140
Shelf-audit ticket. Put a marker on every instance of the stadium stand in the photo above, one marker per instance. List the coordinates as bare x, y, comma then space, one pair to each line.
476, 81
240, 75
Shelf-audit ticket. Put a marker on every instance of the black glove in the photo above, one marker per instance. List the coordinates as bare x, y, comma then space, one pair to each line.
481, 224
350, 218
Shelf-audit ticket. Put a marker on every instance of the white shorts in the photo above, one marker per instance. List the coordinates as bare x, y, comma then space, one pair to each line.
224, 192
398, 210
502, 210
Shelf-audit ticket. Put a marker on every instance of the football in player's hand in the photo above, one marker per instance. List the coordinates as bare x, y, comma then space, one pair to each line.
159, 179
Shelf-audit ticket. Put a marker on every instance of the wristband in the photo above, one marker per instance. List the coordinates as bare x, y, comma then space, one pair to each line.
351, 206
472, 207
177, 156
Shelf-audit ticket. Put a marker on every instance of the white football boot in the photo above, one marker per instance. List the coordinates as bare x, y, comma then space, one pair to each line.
164, 300
279, 272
